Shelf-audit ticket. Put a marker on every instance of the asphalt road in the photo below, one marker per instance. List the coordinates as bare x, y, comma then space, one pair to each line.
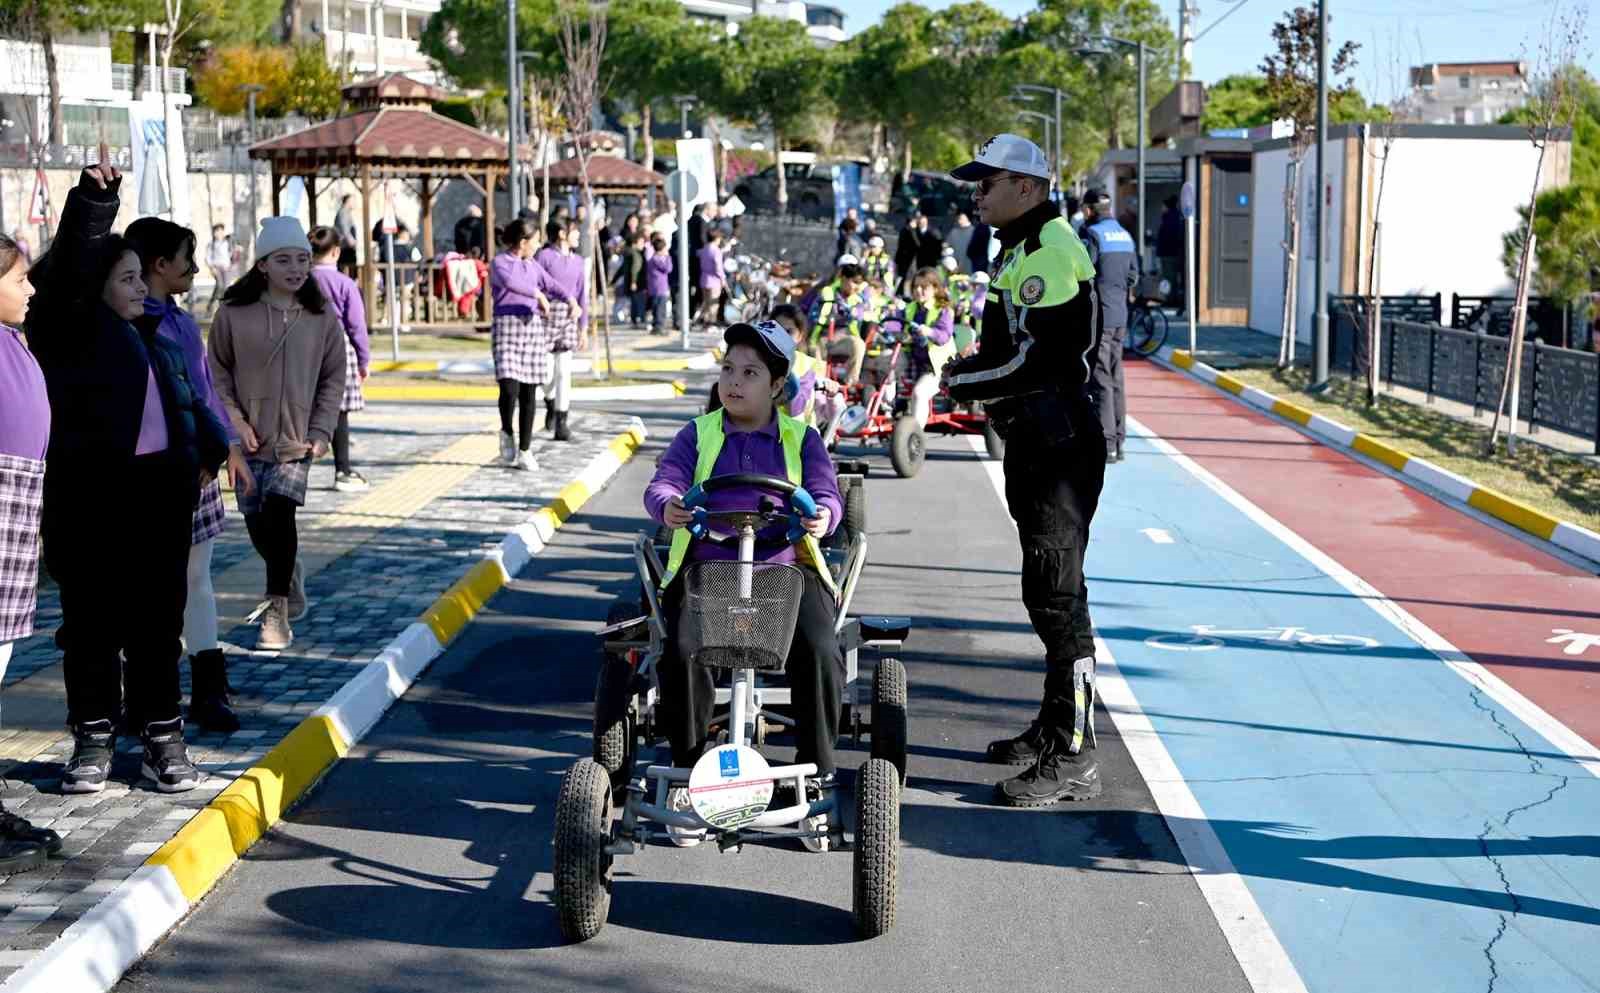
423, 861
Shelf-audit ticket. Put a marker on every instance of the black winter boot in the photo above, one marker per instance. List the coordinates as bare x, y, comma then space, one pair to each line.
563, 433
550, 413
209, 706
1053, 777
94, 745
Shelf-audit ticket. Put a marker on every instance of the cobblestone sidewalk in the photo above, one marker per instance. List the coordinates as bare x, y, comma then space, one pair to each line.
374, 562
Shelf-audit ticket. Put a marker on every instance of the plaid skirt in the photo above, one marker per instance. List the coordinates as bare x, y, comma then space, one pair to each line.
284, 479
564, 321
522, 347
21, 506
208, 514
353, 398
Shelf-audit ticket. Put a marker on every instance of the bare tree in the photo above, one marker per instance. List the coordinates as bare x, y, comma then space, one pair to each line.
583, 84
1552, 108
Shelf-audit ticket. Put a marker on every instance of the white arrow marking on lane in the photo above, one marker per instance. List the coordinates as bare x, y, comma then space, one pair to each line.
1157, 535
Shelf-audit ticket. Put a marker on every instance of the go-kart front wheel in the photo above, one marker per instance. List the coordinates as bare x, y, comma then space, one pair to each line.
582, 867
877, 849
907, 447
889, 714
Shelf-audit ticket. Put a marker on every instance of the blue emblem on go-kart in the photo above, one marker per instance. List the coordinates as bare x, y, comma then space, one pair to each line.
728, 763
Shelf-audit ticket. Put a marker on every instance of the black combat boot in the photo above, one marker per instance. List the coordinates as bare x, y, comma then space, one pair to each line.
563, 432
209, 706
1054, 776
1021, 750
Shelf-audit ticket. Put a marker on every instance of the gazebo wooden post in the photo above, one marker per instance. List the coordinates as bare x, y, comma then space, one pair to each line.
367, 269
428, 257
277, 189
311, 197
488, 239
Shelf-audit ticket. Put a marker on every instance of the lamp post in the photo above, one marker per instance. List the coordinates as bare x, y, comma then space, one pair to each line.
250, 90
1103, 46
513, 108
1319, 343
1022, 91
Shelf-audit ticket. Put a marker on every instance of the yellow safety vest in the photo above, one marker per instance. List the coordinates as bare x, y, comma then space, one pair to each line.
709, 438
802, 364
938, 354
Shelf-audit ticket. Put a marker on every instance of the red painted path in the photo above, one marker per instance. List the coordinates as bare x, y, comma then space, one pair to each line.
1495, 597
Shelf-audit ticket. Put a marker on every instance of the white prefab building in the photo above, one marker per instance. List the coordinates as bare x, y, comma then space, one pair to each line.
1449, 195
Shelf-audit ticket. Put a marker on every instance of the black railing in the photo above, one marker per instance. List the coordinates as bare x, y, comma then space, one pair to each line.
1559, 387
1348, 313
1547, 319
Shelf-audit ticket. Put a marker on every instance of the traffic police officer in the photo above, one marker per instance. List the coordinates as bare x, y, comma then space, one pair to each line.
1031, 371
1116, 271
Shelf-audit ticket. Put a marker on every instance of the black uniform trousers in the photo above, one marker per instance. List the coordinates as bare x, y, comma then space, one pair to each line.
123, 590
1052, 495
815, 670
1110, 392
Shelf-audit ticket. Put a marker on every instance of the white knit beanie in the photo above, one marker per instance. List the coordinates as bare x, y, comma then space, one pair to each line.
278, 233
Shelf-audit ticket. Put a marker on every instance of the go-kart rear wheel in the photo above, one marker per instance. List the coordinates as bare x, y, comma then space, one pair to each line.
582, 867
615, 741
993, 443
877, 849
907, 447
889, 714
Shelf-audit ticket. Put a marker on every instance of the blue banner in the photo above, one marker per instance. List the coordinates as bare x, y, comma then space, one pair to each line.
846, 189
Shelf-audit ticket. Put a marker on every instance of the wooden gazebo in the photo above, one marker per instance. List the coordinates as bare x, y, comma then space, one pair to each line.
391, 132
608, 176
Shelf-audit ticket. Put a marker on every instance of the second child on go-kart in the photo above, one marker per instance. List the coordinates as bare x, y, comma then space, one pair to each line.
842, 307
929, 323
877, 263
807, 375
751, 434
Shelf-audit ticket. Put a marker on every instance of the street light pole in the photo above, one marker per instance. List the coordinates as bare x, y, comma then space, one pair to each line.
1319, 346
1021, 92
513, 108
1142, 143
250, 91
1061, 178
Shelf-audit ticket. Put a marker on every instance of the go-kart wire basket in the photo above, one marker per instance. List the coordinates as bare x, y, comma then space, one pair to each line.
734, 632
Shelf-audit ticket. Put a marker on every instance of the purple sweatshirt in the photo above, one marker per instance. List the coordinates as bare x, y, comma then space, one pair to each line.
711, 266
25, 424
179, 327
517, 284
939, 332
344, 296
656, 270
566, 271
759, 451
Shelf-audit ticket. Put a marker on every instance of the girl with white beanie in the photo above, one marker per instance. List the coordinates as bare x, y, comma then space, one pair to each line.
277, 359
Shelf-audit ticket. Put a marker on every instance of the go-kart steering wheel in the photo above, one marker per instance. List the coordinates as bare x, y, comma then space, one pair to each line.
801, 505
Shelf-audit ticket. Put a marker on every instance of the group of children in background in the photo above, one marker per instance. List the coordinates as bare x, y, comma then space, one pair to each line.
108, 385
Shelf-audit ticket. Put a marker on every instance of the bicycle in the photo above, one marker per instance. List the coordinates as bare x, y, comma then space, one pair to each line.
1147, 327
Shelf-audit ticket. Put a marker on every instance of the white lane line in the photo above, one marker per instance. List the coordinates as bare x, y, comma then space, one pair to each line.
1262, 958
1157, 535
1557, 734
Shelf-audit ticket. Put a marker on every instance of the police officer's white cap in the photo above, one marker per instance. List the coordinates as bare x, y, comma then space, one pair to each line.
1005, 153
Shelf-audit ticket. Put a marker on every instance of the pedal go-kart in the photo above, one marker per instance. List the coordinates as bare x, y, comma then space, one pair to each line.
741, 616
877, 409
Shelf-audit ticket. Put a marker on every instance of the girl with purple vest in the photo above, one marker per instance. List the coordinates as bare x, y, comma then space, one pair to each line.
24, 437
560, 259
344, 299
166, 251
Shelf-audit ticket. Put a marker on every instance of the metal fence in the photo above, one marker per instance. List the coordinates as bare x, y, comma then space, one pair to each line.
1559, 389
221, 142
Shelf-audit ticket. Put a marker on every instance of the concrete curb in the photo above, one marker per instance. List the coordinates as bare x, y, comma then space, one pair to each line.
694, 360
1570, 537
472, 391
92, 954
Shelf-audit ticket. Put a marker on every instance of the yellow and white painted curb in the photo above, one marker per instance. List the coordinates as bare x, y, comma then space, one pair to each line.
482, 391
92, 954
1564, 534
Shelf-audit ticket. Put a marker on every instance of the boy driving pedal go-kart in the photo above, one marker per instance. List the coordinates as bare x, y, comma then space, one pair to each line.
747, 589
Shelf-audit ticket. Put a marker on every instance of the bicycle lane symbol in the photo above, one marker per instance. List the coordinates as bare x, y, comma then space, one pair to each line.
1208, 638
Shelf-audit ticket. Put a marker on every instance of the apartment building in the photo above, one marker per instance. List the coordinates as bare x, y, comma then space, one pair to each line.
1464, 92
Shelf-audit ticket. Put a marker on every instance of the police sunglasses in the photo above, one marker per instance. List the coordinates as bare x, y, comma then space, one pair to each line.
988, 183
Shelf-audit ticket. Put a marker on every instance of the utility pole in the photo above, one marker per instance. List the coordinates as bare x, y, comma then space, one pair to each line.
1188, 11
514, 110
1319, 345
1142, 142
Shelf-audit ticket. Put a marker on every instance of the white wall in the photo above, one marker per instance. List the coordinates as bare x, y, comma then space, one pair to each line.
1267, 233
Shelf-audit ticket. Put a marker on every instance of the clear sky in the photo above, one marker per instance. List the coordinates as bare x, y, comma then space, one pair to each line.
1412, 31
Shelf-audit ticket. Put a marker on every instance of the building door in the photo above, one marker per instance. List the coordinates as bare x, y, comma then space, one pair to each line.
1230, 233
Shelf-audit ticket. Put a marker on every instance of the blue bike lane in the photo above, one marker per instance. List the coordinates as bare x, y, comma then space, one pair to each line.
1360, 815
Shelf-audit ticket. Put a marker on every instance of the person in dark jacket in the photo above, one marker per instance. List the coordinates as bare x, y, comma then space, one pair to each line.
469, 232
1116, 271
909, 247
125, 420
1169, 250
978, 249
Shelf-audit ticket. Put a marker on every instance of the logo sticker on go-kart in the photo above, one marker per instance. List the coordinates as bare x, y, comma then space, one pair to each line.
731, 789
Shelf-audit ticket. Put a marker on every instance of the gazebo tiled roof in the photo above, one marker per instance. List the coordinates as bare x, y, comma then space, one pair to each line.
606, 172
397, 140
